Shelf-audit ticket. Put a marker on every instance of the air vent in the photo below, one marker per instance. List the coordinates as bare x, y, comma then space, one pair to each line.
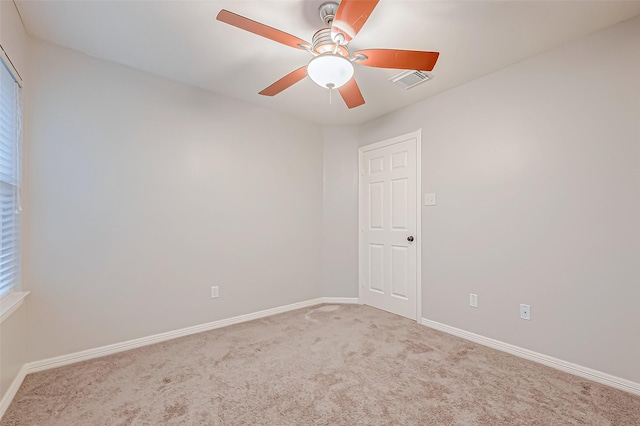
409, 79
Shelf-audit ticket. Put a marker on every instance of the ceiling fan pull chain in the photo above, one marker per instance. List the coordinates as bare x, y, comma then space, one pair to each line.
330, 86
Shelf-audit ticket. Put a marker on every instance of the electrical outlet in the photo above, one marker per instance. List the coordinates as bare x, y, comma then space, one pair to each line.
215, 292
473, 300
525, 312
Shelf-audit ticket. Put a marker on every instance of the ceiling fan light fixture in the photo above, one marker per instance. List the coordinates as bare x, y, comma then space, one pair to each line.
330, 70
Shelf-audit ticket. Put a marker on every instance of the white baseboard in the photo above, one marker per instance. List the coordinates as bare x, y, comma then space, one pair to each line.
13, 389
62, 360
558, 364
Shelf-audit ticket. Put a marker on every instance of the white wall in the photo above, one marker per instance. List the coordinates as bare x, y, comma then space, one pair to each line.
143, 193
340, 212
13, 39
537, 175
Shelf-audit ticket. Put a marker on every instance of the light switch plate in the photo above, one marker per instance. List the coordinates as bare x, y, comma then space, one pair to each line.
430, 199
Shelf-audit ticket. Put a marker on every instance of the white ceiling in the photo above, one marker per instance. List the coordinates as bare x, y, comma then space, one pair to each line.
181, 40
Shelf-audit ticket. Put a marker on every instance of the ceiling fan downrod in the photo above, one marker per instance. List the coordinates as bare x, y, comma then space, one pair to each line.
328, 12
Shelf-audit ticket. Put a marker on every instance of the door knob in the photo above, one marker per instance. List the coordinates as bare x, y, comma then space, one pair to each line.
410, 238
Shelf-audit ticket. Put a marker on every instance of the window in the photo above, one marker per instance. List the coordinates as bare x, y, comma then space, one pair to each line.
10, 165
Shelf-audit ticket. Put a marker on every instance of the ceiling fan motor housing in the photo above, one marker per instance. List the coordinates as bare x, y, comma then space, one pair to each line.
323, 43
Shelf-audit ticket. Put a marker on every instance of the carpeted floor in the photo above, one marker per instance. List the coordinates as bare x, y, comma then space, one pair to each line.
324, 365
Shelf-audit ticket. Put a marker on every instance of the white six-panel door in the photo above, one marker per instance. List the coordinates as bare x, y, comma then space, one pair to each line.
388, 223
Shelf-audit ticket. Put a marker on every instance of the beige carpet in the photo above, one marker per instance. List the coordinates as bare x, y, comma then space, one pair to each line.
325, 365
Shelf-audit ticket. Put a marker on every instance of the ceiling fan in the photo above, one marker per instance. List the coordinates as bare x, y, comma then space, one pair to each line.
331, 65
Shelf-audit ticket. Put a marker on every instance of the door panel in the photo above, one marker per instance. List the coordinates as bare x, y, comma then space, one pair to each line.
399, 266
376, 164
376, 205
376, 267
399, 199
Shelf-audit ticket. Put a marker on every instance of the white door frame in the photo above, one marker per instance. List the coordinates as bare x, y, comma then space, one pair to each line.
388, 142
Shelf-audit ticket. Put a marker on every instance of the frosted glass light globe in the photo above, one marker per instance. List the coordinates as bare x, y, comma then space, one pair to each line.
330, 70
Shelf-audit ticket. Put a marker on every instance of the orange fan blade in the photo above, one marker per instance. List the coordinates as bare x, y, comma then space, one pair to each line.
350, 92
285, 82
351, 16
260, 29
400, 59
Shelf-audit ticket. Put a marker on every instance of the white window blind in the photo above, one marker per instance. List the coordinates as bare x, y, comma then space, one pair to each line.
10, 161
